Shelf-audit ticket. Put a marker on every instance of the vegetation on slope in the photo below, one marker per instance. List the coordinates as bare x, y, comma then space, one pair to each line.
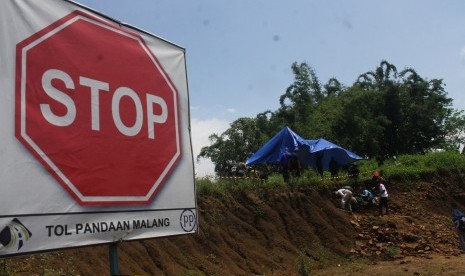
404, 169
266, 228
384, 113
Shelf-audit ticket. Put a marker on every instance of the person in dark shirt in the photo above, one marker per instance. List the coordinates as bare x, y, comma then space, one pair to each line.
333, 167
285, 164
295, 163
459, 222
319, 163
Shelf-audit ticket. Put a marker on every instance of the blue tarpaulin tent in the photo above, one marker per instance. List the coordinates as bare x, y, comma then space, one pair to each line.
326, 150
274, 149
309, 151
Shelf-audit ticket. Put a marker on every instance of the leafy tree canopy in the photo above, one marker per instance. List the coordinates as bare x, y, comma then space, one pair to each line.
383, 113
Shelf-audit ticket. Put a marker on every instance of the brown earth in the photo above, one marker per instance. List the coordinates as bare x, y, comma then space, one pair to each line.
284, 232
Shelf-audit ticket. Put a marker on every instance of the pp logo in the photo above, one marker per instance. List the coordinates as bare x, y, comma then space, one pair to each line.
15, 233
188, 220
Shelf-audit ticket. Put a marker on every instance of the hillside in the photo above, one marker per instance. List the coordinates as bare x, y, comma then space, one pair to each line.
282, 232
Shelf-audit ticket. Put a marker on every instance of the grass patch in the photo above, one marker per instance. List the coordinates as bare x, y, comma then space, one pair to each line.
392, 251
303, 264
357, 265
407, 169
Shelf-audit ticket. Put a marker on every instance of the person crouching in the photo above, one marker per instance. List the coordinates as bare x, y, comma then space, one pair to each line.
346, 198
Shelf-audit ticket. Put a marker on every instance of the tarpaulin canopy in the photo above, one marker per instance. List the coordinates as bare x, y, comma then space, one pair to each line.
310, 152
326, 152
275, 148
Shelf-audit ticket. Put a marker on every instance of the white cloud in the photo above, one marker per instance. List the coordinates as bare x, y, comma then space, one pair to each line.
201, 130
462, 55
231, 110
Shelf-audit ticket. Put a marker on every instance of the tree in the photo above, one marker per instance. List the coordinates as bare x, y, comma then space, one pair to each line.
412, 111
426, 110
362, 124
301, 96
384, 75
454, 131
384, 113
234, 145
332, 88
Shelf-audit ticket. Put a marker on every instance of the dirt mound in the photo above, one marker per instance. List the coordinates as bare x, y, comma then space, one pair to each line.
419, 224
277, 232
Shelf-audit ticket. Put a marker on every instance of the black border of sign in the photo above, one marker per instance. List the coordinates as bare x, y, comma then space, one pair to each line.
97, 212
122, 23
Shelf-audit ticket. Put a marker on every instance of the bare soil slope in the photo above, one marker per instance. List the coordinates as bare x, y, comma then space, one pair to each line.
278, 232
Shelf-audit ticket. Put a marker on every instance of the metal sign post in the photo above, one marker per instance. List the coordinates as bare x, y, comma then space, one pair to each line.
113, 255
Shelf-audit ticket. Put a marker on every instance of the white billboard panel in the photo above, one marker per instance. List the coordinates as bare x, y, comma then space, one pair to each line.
94, 130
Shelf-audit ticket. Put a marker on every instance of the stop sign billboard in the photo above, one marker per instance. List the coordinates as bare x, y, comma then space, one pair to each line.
108, 128
94, 129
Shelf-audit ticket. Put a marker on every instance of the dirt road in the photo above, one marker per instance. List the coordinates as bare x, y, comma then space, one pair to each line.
433, 265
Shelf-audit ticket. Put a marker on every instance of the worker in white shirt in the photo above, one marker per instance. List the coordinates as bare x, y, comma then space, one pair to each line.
383, 198
346, 198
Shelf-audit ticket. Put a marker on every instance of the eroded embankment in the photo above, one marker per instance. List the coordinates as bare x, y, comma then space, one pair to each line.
273, 231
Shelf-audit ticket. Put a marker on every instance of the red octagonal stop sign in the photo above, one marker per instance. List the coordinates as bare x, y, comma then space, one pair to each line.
95, 107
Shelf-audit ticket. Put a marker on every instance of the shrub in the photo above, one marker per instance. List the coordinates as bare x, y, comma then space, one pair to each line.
303, 264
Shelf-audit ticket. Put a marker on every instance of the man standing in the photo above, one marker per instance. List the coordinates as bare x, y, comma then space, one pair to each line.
459, 220
383, 194
295, 163
285, 165
333, 168
346, 198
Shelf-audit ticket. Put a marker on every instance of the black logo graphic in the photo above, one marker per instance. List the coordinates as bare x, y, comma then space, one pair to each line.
188, 220
14, 233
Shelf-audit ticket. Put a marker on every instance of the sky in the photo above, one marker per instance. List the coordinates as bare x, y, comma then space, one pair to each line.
239, 52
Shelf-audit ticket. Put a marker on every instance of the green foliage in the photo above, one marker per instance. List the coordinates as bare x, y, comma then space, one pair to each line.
454, 130
235, 145
410, 168
357, 265
275, 181
392, 251
361, 126
301, 96
222, 186
385, 113
207, 186
404, 168
389, 114
367, 166
303, 264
